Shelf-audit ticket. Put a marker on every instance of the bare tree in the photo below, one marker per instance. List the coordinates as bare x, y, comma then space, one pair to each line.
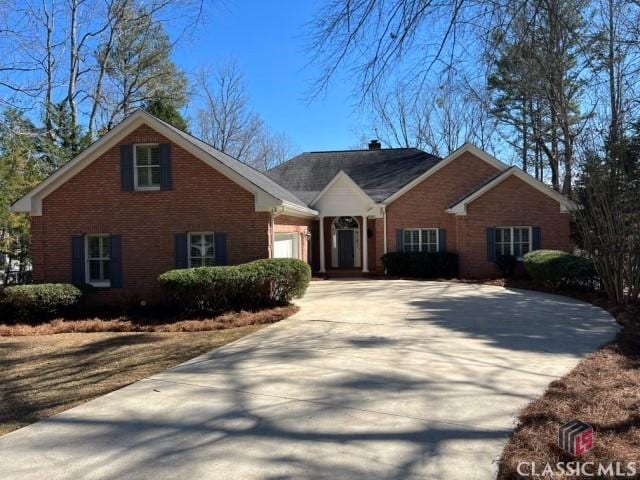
48, 52
372, 37
226, 121
614, 41
438, 120
272, 150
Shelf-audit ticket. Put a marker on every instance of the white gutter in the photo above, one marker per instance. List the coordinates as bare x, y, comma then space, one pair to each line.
298, 209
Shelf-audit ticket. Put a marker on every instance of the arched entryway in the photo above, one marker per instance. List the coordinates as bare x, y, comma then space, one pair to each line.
345, 242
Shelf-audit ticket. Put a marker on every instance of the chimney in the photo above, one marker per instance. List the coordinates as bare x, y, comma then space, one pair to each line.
374, 145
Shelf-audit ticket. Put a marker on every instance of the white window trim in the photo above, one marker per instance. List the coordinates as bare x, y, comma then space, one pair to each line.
420, 229
153, 188
189, 246
530, 228
102, 284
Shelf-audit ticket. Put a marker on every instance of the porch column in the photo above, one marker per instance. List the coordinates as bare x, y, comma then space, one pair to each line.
321, 244
365, 242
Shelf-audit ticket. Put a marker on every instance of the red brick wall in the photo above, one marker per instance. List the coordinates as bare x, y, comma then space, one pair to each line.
92, 202
511, 203
425, 205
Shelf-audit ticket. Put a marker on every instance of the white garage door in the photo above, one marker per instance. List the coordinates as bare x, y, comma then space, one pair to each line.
285, 245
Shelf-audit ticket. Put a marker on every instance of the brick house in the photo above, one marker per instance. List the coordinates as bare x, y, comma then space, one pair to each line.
147, 198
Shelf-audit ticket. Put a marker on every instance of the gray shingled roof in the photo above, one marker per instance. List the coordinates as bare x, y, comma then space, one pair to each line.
380, 173
251, 174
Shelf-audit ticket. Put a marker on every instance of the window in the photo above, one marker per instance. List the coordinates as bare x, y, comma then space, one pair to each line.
201, 249
147, 167
98, 257
346, 223
421, 240
514, 241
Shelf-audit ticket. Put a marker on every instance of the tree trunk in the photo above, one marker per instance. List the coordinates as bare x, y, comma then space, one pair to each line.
73, 67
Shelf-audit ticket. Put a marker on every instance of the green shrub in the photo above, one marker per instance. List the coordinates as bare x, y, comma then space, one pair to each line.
263, 283
559, 269
506, 265
40, 301
277, 280
421, 264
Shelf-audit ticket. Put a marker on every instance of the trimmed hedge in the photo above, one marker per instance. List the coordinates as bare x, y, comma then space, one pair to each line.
421, 264
556, 268
35, 303
249, 286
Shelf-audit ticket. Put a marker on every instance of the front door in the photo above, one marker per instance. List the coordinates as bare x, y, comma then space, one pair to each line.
346, 255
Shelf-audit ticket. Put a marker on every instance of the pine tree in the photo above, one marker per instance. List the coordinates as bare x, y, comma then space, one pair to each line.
65, 139
138, 66
537, 85
165, 110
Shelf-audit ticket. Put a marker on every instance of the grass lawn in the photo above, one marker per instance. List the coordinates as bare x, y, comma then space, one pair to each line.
42, 375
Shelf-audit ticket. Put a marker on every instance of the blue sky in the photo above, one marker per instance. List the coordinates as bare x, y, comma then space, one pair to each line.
267, 40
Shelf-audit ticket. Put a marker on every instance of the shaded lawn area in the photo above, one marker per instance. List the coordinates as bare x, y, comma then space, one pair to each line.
604, 391
46, 374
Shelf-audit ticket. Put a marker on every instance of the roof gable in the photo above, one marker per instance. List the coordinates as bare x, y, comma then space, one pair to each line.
268, 194
466, 148
460, 207
342, 177
342, 196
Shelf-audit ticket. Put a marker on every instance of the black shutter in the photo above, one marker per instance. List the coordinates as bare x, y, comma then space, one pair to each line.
442, 240
220, 242
77, 259
491, 244
115, 261
536, 241
165, 166
182, 257
399, 240
126, 168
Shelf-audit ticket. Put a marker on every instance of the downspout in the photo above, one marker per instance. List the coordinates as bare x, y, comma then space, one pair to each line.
275, 212
384, 229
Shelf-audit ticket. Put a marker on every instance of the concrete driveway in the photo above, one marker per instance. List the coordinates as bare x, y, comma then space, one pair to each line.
372, 379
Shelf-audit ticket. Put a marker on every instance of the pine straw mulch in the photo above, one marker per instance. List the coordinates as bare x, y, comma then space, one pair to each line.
603, 391
150, 323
